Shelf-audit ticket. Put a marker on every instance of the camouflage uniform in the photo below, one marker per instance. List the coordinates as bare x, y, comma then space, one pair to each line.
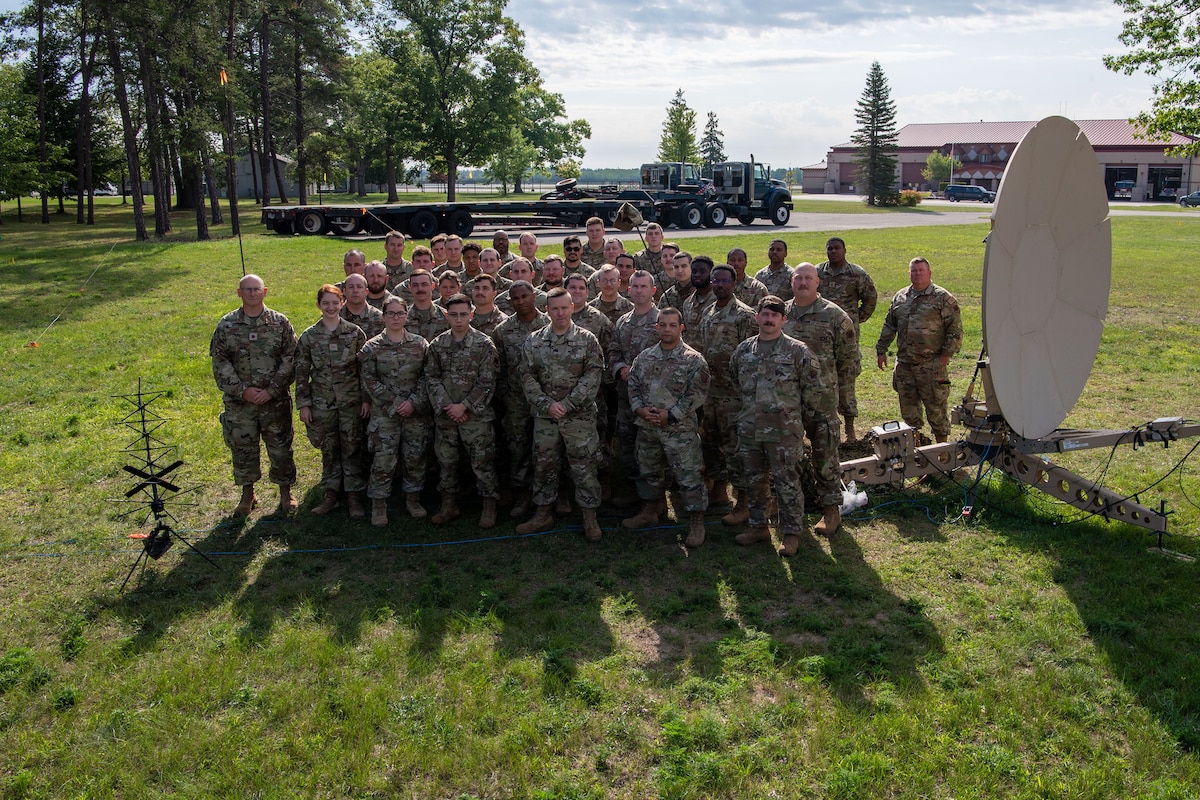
676, 380
721, 330
256, 353
830, 335
501, 284
593, 320
925, 325
565, 368
539, 301
593, 258
327, 381
487, 323
852, 290
401, 291
537, 269
750, 290
779, 381
370, 320
692, 312
510, 338
650, 262
676, 296
379, 302
391, 375
631, 335
398, 274
614, 310
464, 372
778, 282
427, 324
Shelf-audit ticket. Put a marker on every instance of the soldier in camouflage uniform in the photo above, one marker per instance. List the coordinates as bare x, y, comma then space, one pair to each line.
500, 244
424, 318
510, 337
608, 300
633, 333
483, 294
331, 402
851, 288
667, 384
780, 381
563, 369
400, 427
649, 258
593, 248
725, 324
398, 269
829, 333
357, 311
681, 287
748, 289
461, 370
700, 299
925, 321
520, 270
593, 321
777, 275
377, 281
253, 361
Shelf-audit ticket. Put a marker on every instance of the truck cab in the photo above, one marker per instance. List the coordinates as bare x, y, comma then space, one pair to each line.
671, 176
746, 186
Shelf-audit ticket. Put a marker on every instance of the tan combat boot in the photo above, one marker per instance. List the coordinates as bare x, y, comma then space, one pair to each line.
354, 500
562, 505
487, 518
645, 518
718, 496
831, 520
741, 512
412, 504
543, 520
328, 504
791, 543
591, 527
448, 511
521, 507
759, 533
695, 536
850, 437
379, 511
287, 501
247, 503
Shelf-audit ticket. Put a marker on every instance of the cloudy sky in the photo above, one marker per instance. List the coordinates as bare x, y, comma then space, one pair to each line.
784, 77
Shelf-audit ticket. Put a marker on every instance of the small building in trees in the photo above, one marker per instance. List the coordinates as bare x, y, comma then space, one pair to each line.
984, 148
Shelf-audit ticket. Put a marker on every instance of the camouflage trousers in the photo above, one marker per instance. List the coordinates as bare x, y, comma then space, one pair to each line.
626, 430
338, 434
824, 436
718, 431
923, 384
578, 438
244, 424
391, 439
660, 450
774, 463
518, 433
478, 438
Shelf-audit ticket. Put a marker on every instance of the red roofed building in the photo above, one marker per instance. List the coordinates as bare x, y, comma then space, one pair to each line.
985, 147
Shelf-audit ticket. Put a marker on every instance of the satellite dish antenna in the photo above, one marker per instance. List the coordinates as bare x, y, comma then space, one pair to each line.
1046, 278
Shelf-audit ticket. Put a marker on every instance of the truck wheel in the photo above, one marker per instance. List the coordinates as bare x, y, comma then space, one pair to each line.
714, 215
346, 227
423, 224
610, 217
460, 223
691, 216
746, 219
780, 214
312, 223
282, 226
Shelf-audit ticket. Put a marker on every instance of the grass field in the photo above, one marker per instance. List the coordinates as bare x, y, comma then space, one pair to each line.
1025, 653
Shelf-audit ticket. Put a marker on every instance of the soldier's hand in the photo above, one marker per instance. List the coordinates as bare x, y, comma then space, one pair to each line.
457, 412
882, 360
306, 415
405, 409
944, 358
557, 411
625, 372
366, 410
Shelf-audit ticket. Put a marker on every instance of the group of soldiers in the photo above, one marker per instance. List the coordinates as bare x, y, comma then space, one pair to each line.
699, 380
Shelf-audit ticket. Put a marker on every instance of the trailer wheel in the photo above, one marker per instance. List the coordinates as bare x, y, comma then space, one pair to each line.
691, 216
780, 214
714, 215
460, 223
346, 227
746, 219
610, 217
282, 226
423, 225
312, 223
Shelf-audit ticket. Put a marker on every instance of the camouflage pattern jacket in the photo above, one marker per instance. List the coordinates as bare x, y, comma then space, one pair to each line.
781, 388
370, 320
427, 324
462, 372
631, 335
393, 372
721, 331
510, 337
851, 289
565, 368
777, 283
327, 374
675, 379
925, 325
829, 333
253, 352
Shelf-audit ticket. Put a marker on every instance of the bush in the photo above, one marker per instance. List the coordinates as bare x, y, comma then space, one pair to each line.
910, 198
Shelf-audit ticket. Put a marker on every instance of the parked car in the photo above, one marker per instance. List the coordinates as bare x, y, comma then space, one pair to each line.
957, 192
1190, 200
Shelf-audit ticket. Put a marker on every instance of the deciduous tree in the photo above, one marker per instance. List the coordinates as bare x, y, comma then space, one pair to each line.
678, 142
877, 140
939, 168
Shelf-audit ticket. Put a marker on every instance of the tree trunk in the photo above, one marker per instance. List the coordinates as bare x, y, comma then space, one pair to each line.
255, 159
197, 198
231, 177
393, 195
301, 156
41, 82
264, 88
214, 202
83, 159
279, 184
362, 177
451, 176
131, 152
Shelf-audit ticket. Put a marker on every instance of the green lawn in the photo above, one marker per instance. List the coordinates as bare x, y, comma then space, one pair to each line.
1027, 653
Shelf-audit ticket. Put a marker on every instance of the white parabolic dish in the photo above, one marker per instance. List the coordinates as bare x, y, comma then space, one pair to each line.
1046, 277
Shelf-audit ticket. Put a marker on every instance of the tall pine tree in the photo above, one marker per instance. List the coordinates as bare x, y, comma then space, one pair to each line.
712, 146
877, 141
